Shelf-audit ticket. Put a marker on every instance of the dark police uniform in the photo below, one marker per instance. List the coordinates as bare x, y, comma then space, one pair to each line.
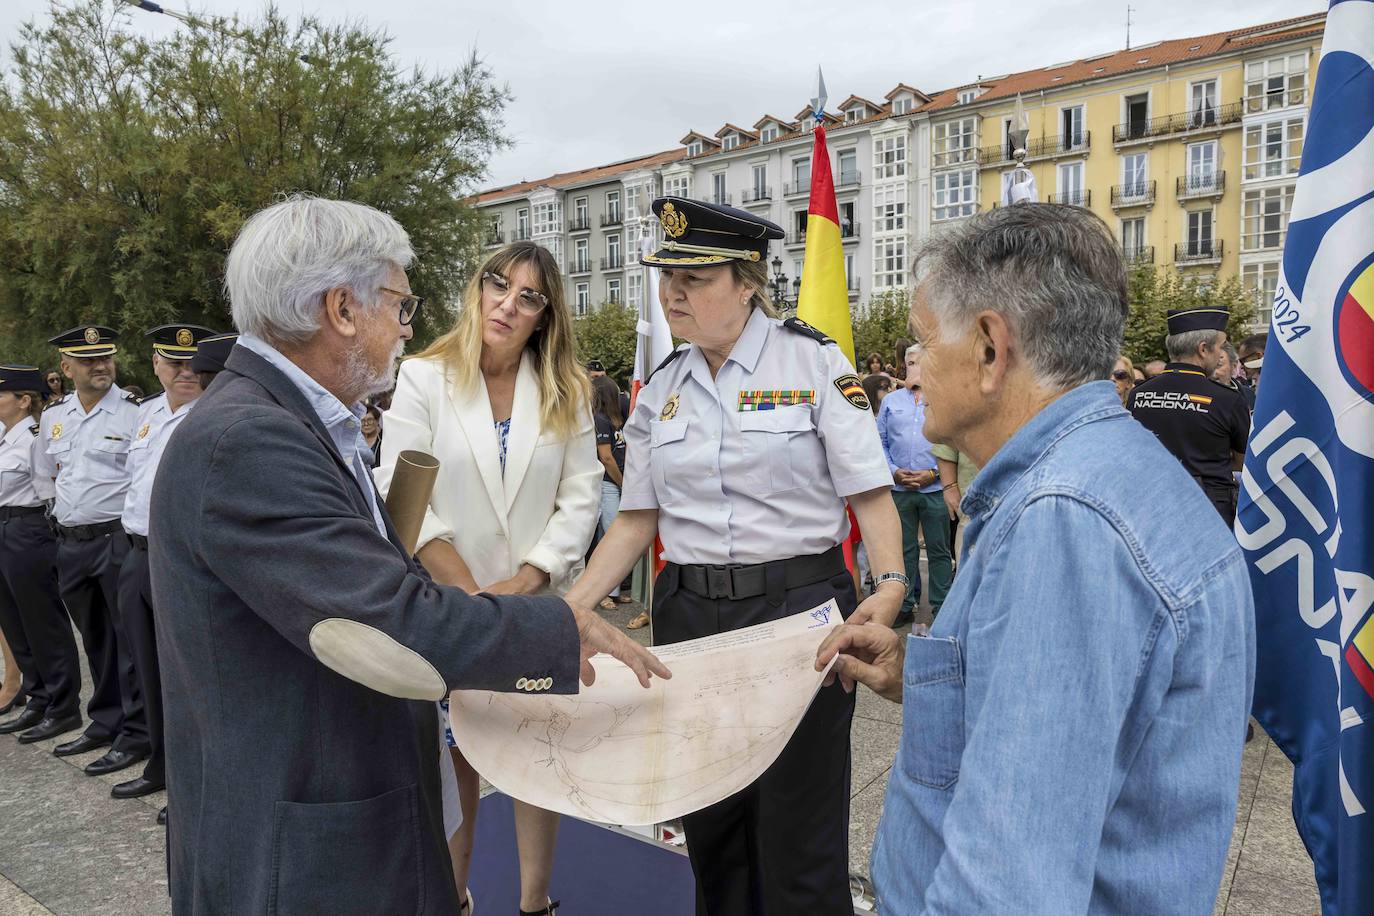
31, 614
86, 451
1200, 421
749, 470
154, 425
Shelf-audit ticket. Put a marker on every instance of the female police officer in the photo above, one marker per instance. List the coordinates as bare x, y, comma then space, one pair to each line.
741, 452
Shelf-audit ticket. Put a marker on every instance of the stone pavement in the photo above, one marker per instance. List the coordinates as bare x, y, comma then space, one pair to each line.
66, 847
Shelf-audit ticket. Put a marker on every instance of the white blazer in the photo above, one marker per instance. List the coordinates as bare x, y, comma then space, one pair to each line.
542, 511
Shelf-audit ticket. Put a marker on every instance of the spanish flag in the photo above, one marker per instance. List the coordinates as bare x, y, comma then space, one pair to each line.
823, 301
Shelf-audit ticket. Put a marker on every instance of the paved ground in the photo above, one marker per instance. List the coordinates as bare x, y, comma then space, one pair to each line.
66, 847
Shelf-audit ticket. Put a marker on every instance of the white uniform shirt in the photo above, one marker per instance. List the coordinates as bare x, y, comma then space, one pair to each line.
154, 427
747, 485
19, 484
88, 453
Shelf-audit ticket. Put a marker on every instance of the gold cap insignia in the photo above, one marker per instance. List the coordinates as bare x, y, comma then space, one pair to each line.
56, 431
143, 430
674, 223
670, 406
185, 338
92, 336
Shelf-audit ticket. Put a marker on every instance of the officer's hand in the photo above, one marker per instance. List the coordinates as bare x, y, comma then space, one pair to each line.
871, 656
881, 607
952, 502
599, 636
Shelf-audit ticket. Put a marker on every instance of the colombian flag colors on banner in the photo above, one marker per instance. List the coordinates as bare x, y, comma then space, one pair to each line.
824, 299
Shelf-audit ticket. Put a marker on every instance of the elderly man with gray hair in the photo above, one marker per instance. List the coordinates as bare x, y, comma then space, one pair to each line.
302, 648
1073, 724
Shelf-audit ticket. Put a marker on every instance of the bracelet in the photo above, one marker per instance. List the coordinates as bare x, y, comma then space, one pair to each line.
879, 579
950, 486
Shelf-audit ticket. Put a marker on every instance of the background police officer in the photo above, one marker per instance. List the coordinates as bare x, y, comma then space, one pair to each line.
1204, 424
86, 440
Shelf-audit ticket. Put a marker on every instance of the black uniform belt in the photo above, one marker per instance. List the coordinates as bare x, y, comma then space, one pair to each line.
89, 532
138, 541
716, 582
9, 512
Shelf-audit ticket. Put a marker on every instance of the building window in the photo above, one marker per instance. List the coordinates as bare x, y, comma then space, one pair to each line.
613, 291
522, 224
1273, 149
547, 218
848, 161
1133, 175
1277, 83
854, 114
1070, 176
1202, 104
967, 95
889, 263
580, 211
694, 148
799, 218
632, 202
889, 157
901, 105
1071, 126
613, 206
955, 142
634, 289
760, 182
678, 186
494, 230
889, 209
801, 173
1200, 233
808, 124
613, 250
1264, 218
1202, 166
769, 134
553, 244
1137, 114
1262, 279
581, 259
731, 141
851, 278
956, 194
846, 213
582, 298
718, 194
1133, 238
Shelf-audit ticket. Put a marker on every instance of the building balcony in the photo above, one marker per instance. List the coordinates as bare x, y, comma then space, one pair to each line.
494, 239
580, 224
521, 235
855, 287
579, 265
1138, 254
609, 220
1052, 147
1193, 254
849, 232
755, 195
1080, 198
1135, 194
849, 180
795, 238
721, 200
1213, 118
794, 188
615, 262
1207, 185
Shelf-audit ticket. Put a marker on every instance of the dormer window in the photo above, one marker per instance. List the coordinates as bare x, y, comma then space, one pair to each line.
769, 134
901, 104
854, 114
694, 148
808, 125
731, 141
967, 95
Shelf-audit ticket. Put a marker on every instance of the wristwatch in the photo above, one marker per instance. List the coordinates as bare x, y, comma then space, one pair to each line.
879, 579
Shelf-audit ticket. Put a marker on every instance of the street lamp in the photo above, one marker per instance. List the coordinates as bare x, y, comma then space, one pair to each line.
779, 282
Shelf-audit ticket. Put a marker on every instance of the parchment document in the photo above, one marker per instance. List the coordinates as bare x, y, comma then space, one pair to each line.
620, 754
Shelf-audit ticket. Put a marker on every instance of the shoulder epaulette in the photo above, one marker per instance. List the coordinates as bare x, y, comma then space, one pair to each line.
671, 356
61, 400
34, 429
801, 327
133, 399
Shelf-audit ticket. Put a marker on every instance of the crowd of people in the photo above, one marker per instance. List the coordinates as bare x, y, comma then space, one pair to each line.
217, 527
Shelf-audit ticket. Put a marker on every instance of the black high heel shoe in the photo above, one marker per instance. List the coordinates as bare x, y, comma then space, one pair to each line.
13, 704
546, 911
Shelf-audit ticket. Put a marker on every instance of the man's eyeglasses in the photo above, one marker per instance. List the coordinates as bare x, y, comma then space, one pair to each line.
529, 301
409, 304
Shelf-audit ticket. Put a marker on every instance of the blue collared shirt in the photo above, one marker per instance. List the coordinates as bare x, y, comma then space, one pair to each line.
344, 424
901, 427
1073, 725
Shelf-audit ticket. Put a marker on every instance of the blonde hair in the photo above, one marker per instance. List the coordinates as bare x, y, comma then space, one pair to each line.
754, 274
564, 390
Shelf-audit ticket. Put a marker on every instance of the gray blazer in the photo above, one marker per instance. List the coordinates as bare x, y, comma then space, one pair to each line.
293, 785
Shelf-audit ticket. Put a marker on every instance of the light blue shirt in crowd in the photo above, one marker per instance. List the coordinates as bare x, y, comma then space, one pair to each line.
901, 427
1072, 727
344, 424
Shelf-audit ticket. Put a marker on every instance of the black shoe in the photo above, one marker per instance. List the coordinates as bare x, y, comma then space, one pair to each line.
81, 745
50, 728
137, 788
17, 701
162, 816
113, 762
26, 719
545, 911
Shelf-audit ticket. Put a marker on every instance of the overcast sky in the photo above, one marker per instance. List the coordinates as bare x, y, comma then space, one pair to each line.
595, 82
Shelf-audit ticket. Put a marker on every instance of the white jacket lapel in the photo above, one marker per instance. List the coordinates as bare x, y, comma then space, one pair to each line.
474, 417
524, 427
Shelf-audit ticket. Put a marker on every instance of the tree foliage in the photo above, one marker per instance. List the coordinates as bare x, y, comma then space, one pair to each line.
127, 165
879, 326
607, 333
1153, 291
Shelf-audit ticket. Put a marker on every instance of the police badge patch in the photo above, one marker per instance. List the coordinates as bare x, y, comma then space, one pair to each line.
853, 391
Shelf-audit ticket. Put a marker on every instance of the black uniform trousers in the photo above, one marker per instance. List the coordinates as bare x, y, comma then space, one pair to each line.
136, 613
32, 617
781, 845
1225, 500
88, 573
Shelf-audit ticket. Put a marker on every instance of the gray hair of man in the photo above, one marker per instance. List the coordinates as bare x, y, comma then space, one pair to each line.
1054, 272
912, 350
289, 255
1185, 345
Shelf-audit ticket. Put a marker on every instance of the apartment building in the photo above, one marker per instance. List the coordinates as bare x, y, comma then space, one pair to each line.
1188, 148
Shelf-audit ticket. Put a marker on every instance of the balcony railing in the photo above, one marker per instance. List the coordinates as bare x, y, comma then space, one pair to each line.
492, 239
614, 218
1211, 184
1081, 198
1135, 194
753, 195
796, 237
615, 262
849, 179
579, 224
522, 235
1200, 252
849, 232
1200, 119
1138, 254
1039, 148
579, 265
719, 199
855, 285
796, 187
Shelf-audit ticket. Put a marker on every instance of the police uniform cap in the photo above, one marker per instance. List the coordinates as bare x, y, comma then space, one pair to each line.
212, 352
86, 342
698, 234
23, 378
1211, 318
177, 341
594, 365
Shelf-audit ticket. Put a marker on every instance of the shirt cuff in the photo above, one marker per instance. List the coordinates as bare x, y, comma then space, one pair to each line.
851, 484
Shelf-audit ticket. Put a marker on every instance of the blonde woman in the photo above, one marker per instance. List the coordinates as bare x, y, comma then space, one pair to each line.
501, 401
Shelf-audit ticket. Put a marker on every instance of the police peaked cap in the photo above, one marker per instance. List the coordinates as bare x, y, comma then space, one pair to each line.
86, 342
22, 378
178, 341
701, 234
1210, 318
212, 352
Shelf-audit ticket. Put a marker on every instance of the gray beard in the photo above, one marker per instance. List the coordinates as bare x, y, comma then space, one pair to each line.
361, 377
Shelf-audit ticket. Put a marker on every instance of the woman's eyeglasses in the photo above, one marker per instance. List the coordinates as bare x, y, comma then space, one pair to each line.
409, 304
1120, 375
529, 301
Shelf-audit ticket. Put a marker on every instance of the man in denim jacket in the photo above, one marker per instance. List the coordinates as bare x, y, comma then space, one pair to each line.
1073, 725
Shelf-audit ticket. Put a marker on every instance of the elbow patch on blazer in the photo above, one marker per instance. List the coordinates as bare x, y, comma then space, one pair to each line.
367, 655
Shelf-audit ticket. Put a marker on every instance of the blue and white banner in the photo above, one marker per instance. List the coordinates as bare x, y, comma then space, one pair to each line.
1306, 518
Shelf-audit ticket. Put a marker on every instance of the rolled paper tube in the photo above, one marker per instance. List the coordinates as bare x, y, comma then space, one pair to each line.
411, 485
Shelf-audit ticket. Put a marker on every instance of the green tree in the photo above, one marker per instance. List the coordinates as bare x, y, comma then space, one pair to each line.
607, 333
1153, 291
882, 323
127, 165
